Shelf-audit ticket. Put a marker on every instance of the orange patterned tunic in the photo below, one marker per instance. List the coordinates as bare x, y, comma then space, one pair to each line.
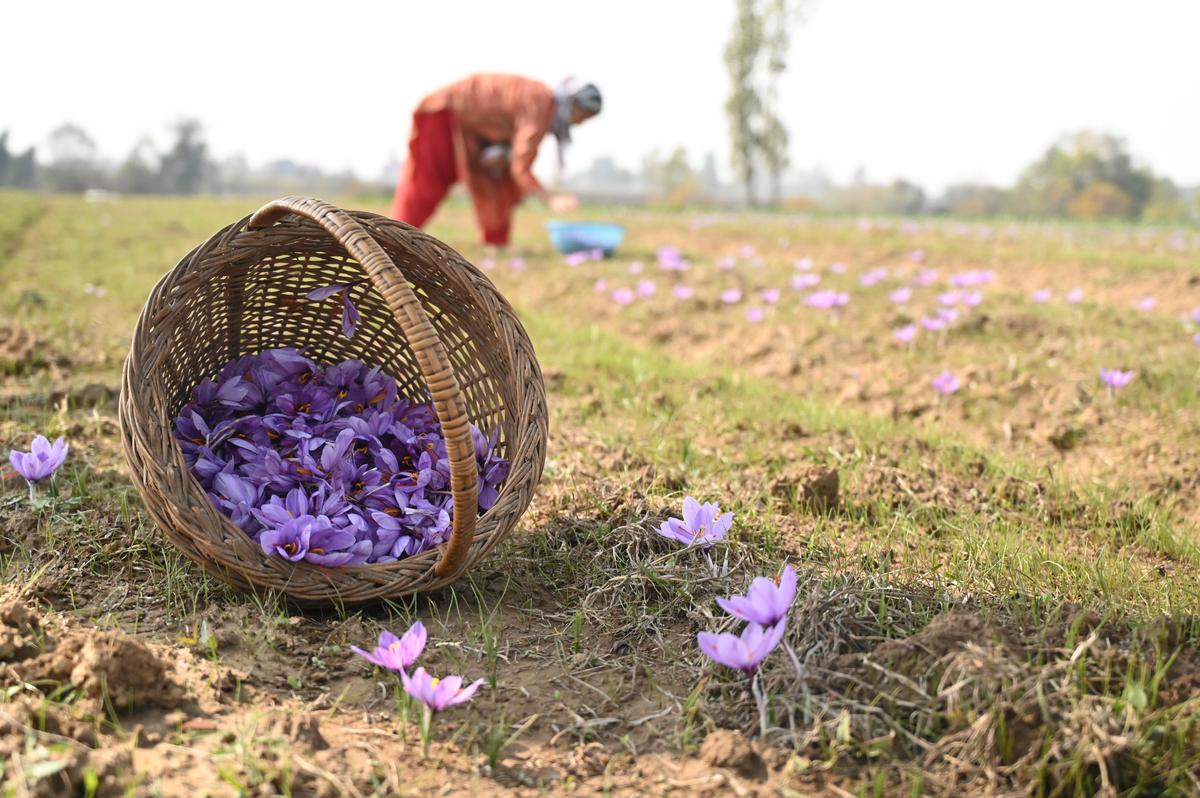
493, 109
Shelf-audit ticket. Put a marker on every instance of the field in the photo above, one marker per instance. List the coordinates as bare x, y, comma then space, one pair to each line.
999, 586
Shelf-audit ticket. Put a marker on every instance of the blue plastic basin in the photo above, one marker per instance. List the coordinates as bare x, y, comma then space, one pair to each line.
568, 237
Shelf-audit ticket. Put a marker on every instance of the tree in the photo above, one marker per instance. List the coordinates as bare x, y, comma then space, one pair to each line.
72, 160
671, 179
185, 167
1085, 173
774, 139
756, 57
745, 105
139, 175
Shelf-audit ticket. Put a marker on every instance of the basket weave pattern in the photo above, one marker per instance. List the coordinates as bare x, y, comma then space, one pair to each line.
429, 319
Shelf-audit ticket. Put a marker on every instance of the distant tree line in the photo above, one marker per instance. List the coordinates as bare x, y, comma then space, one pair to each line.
184, 167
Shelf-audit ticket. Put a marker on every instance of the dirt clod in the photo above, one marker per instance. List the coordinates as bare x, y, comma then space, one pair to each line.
18, 629
726, 748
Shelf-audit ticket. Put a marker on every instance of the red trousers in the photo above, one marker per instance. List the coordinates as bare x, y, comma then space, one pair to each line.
431, 170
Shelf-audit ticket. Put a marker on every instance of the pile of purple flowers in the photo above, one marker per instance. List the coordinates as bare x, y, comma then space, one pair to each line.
325, 463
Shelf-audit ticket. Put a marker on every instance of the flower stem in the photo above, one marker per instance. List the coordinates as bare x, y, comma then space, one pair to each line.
761, 699
32, 490
426, 730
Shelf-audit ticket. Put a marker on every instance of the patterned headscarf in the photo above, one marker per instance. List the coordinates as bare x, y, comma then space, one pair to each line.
572, 93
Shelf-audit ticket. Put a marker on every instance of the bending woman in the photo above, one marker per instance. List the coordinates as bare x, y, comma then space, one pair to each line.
485, 131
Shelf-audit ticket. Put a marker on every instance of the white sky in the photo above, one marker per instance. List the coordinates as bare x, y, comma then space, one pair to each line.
936, 91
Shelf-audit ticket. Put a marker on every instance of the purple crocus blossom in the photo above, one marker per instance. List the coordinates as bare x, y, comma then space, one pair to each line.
42, 459
1146, 304
901, 295
905, 334
804, 264
488, 263
826, 300
838, 268
949, 315
438, 694
600, 286
731, 296
635, 267
702, 524
1041, 295
926, 277
766, 602
1074, 296
350, 315
623, 296
744, 652
933, 323
769, 295
517, 264
646, 288
576, 259
727, 263
1115, 378
314, 539
803, 281
755, 314
946, 383
682, 292
396, 653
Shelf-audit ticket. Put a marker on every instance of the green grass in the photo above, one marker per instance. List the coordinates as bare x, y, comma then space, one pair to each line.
933, 515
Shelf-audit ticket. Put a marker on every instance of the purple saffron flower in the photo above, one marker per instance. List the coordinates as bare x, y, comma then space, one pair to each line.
933, 323
971, 298
900, 295
396, 653
731, 296
755, 314
350, 314
623, 297
600, 286
838, 268
1074, 296
804, 264
312, 538
1115, 378
918, 256
596, 254
1196, 315
635, 267
1196, 339
41, 461
1146, 304
949, 315
905, 334
766, 602
946, 383
1041, 295
926, 277
646, 288
438, 694
487, 264
803, 281
747, 252
826, 300
701, 524
949, 298
873, 276
576, 259
517, 264
682, 292
743, 652
727, 263
769, 295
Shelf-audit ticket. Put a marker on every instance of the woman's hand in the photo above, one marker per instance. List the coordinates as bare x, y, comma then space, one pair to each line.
563, 203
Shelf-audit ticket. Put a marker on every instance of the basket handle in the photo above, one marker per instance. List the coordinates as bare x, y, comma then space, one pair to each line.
436, 369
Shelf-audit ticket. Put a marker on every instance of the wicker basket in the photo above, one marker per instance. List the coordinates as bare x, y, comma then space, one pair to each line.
429, 319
